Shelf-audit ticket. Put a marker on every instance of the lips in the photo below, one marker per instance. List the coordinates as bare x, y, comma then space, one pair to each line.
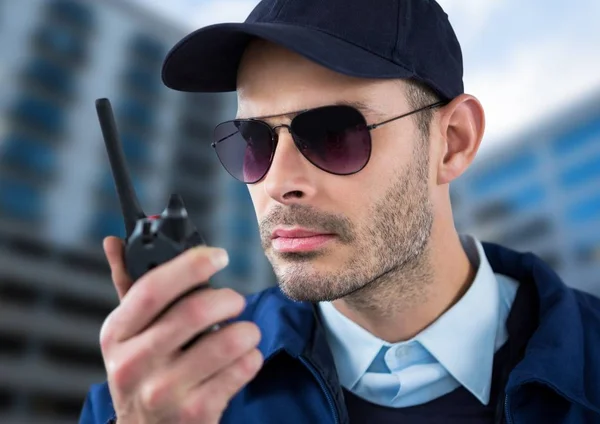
299, 240
295, 233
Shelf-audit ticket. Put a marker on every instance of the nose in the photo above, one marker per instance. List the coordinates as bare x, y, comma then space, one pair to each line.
291, 177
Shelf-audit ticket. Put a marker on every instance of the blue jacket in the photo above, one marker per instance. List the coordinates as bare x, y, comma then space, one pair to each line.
557, 381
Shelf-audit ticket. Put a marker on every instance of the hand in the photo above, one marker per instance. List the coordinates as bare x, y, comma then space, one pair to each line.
151, 379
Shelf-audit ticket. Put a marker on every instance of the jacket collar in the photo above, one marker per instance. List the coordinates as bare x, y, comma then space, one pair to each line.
562, 353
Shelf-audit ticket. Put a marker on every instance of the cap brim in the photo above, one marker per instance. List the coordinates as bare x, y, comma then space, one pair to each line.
207, 60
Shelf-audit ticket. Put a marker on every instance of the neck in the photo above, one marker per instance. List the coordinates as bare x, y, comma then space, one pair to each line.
401, 303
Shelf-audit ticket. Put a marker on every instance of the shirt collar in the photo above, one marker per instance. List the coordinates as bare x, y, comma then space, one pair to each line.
463, 340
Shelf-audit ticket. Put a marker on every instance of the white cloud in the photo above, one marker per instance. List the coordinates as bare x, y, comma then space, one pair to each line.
539, 79
470, 17
196, 14
221, 11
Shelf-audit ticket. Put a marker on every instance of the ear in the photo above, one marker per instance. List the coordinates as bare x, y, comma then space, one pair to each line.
461, 126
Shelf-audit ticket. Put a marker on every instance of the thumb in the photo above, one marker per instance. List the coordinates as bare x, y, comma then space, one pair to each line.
114, 249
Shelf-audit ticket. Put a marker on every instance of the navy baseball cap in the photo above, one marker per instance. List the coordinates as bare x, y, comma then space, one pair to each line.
406, 39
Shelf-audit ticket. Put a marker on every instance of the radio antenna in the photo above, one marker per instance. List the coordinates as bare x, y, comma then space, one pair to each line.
130, 205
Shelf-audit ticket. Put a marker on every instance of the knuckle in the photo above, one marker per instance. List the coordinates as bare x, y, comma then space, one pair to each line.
153, 395
124, 370
249, 364
239, 338
234, 341
250, 333
106, 335
200, 263
234, 299
203, 410
197, 310
146, 297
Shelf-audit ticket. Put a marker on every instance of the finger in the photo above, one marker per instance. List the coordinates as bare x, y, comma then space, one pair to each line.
213, 353
190, 316
158, 288
114, 248
207, 402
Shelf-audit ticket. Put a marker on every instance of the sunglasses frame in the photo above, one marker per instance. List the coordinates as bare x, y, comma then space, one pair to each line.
274, 135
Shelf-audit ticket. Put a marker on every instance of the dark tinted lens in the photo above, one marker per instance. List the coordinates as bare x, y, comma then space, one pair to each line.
244, 148
334, 138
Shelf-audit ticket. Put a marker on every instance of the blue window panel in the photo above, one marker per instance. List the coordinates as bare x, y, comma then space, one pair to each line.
527, 198
29, 153
51, 76
46, 115
109, 224
75, 12
581, 173
143, 80
20, 199
588, 210
149, 47
136, 113
135, 150
578, 138
107, 185
503, 173
62, 42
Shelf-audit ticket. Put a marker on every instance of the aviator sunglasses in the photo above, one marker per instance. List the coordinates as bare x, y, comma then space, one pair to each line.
335, 139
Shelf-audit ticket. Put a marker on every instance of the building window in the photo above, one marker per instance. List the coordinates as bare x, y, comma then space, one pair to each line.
107, 186
529, 231
581, 173
108, 223
72, 13
61, 44
579, 138
585, 211
148, 49
39, 114
135, 114
20, 200
505, 172
50, 77
28, 154
135, 149
142, 82
518, 202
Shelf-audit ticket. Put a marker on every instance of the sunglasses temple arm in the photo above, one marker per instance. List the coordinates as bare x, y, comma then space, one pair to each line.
224, 138
373, 126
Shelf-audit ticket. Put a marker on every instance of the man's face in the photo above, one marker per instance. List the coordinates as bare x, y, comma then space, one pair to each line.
379, 220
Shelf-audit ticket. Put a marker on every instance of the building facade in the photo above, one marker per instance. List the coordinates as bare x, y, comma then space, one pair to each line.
57, 198
540, 192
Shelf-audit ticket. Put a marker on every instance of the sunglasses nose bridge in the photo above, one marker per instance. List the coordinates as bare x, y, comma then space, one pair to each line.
275, 128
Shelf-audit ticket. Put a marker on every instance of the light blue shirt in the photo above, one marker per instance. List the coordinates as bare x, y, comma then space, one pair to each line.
456, 349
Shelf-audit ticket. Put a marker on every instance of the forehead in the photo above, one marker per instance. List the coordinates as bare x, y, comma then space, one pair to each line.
276, 82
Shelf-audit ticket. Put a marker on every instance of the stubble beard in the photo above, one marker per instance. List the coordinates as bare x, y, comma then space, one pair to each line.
389, 254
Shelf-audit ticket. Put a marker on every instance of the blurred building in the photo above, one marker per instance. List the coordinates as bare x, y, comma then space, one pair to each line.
541, 192
57, 199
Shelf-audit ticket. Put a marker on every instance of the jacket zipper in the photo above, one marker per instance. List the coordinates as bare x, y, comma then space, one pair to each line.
509, 418
314, 372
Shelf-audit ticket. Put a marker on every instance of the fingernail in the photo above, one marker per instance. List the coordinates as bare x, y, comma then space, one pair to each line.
219, 258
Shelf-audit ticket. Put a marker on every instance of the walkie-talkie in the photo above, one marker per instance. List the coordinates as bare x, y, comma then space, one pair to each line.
150, 240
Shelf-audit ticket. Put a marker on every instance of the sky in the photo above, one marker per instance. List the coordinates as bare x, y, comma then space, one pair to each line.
525, 60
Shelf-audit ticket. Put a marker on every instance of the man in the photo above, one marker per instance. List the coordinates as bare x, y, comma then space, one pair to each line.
351, 124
